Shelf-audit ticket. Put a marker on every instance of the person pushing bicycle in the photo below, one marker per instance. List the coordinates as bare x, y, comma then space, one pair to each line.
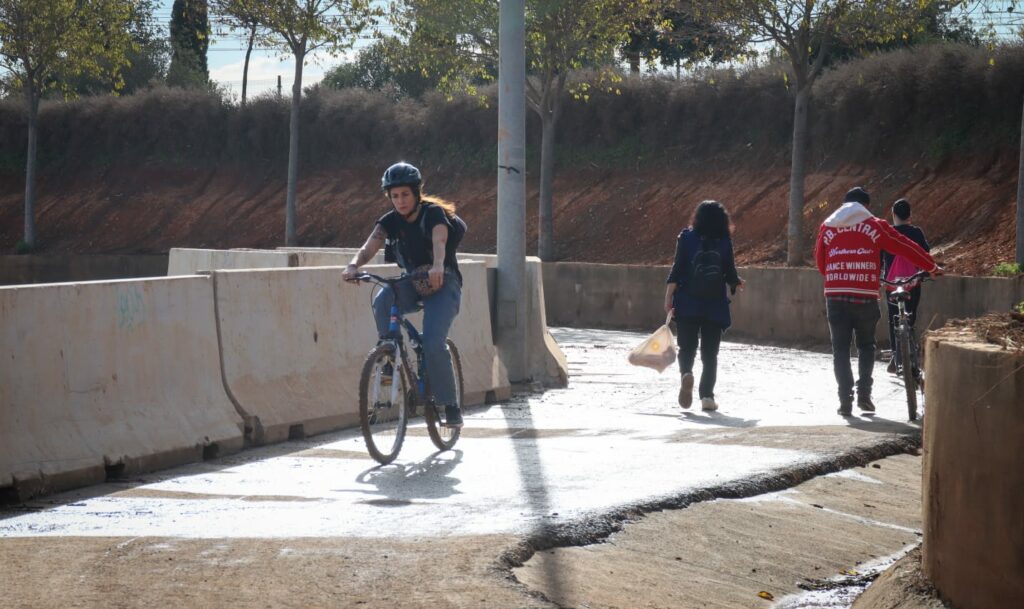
422, 235
847, 253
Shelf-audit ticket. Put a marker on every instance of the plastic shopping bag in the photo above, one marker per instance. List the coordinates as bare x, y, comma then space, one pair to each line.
658, 351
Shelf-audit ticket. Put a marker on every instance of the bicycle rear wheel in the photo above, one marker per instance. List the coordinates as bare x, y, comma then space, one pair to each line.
382, 414
444, 437
909, 382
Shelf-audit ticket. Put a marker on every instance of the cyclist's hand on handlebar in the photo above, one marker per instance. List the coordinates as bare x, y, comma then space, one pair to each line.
350, 273
436, 277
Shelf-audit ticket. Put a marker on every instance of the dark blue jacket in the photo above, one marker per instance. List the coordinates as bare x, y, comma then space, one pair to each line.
688, 307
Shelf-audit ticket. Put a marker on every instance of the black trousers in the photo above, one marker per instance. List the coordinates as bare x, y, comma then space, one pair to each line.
915, 300
709, 333
846, 320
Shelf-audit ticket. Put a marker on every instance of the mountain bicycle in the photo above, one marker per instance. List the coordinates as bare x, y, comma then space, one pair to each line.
391, 390
909, 368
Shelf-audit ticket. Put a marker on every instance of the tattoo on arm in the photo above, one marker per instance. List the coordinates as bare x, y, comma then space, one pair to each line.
439, 237
371, 247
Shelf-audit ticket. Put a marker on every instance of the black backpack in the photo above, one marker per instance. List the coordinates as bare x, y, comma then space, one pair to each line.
456, 232
707, 277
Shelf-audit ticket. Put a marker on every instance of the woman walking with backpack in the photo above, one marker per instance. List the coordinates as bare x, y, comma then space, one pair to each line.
696, 294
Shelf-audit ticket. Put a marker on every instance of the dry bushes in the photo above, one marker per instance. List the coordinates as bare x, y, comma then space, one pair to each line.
930, 102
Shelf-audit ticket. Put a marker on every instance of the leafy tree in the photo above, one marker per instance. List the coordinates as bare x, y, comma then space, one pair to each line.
239, 15
147, 57
301, 27
190, 39
807, 32
676, 35
380, 65
47, 43
458, 42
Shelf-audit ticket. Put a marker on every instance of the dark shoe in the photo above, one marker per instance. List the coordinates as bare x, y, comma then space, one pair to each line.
865, 404
845, 409
891, 368
452, 416
686, 391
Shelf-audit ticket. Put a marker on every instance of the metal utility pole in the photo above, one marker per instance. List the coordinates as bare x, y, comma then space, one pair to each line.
1020, 194
511, 280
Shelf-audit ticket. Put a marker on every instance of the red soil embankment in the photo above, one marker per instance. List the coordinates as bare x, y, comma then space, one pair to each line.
617, 216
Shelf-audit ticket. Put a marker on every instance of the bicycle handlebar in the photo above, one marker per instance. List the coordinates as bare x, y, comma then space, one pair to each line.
905, 280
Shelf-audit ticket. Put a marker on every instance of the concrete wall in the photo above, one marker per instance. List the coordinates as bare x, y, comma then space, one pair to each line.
974, 471
118, 376
188, 261
294, 341
778, 304
59, 268
547, 364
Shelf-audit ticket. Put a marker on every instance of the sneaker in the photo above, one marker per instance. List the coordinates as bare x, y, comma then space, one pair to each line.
708, 404
891, 368
452, 416
845, 409
686, 391
865, 404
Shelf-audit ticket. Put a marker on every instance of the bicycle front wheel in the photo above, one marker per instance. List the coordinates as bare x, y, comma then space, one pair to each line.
909, 382
444, 437
382, 409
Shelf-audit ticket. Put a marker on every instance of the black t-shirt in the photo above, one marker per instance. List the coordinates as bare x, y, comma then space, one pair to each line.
413, 239
911, 232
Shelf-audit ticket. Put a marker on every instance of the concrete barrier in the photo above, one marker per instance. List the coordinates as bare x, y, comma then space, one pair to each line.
778, 304
547, 364
973, 476
63, 268
293, 344
189, 261
109, 378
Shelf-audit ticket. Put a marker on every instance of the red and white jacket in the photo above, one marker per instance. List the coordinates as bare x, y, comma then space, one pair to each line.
848, 251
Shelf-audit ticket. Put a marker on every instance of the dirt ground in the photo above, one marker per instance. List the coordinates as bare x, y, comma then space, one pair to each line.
744, 553
625, 215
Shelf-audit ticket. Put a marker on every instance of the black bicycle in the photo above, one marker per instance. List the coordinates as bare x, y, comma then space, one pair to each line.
908, 365
385, 400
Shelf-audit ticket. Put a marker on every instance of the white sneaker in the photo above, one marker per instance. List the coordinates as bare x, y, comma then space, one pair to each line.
708, 404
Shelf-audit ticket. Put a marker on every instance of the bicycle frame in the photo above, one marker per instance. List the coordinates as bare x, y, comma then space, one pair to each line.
415, 379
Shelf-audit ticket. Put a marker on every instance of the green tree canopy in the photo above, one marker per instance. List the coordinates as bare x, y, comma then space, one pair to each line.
190, 39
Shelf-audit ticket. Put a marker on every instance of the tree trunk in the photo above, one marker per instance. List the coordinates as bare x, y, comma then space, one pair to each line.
545, 226
245, 68
795, 248
293, 153
634, 61
30, 165
1020, 194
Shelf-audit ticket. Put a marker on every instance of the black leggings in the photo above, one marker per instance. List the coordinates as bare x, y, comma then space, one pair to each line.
710, 334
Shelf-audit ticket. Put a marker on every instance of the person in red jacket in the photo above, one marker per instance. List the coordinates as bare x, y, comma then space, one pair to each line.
847, 254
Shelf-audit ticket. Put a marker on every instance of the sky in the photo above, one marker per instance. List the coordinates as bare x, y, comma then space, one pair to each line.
226, 58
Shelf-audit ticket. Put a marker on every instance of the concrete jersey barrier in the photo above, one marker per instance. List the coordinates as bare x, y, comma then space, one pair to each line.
293, 343
189, 261
109, 378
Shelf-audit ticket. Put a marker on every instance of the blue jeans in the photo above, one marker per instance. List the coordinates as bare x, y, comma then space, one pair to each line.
439, 311
846, 319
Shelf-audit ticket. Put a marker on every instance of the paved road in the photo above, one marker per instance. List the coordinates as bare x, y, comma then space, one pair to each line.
614, 438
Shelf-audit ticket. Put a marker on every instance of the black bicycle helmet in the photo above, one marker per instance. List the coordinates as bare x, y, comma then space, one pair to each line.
401, 174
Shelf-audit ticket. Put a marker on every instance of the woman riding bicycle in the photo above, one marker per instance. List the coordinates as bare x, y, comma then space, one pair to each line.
420, 231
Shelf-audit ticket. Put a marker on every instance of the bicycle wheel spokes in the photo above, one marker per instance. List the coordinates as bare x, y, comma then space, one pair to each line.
382, 412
